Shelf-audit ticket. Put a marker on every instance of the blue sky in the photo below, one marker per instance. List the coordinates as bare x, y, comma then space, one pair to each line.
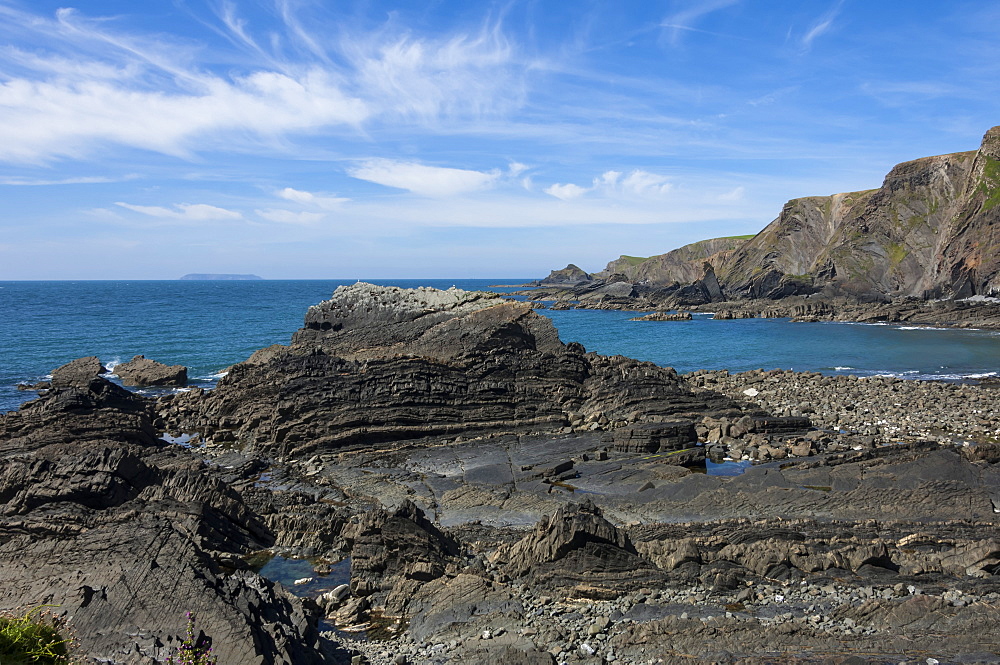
365, 139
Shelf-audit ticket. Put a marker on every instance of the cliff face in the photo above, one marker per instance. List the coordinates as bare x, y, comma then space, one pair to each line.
929, 231
683, 265
969, 260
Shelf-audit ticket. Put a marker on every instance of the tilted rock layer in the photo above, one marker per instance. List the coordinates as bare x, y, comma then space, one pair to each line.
929, 231
124, 535
932, 230
381, 364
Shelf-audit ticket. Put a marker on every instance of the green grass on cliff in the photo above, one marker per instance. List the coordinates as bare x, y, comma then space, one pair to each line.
634, 260
991, 184
746, 237
897, 254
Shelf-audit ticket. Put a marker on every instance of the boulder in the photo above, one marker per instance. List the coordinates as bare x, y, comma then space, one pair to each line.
77, 372
576, 545
141, 371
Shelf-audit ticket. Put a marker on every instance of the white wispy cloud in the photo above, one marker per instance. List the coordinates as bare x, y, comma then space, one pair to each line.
82, 180
432, 181
431, 80
684, 20
44, 120
505, 210
644, 183
310, 199
196, 212
85, 84
821, 26
290, 216
611, 184
735, 194
566, 192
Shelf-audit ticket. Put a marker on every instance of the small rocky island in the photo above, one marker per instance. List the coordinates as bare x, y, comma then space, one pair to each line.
504, 497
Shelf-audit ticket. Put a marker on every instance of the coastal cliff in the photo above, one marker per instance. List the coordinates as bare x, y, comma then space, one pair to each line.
927, 232
683, 265
931, 231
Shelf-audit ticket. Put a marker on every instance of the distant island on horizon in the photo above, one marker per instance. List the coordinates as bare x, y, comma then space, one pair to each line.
213, 276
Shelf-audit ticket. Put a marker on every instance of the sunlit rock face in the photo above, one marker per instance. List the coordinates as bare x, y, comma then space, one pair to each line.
381, 364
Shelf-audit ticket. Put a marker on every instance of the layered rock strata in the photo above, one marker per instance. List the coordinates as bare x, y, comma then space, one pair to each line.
378, 364
124, 535
506, 498
929, 232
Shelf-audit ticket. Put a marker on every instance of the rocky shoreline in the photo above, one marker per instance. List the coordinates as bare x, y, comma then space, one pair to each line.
919, 249
976, 312
504, 497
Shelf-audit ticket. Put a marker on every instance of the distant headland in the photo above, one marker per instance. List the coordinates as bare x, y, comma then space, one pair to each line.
204, 276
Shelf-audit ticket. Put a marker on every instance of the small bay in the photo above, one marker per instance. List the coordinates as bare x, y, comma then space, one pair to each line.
211, 325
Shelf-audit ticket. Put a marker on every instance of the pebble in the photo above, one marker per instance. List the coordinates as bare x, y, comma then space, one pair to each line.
880, 407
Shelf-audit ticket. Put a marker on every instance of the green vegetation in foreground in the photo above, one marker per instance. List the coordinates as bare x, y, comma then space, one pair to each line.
32, 637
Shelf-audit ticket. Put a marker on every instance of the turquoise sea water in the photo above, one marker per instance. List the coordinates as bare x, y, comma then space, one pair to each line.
208, 326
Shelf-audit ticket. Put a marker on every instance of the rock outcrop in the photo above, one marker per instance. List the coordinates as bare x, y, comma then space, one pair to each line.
664, 316
124, 535
393, 553
684, 265
375, 365
577, 546
141, 371
443, 441
78, 372
571, 274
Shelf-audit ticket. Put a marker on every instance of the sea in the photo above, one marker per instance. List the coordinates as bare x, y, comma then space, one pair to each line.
210, 325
